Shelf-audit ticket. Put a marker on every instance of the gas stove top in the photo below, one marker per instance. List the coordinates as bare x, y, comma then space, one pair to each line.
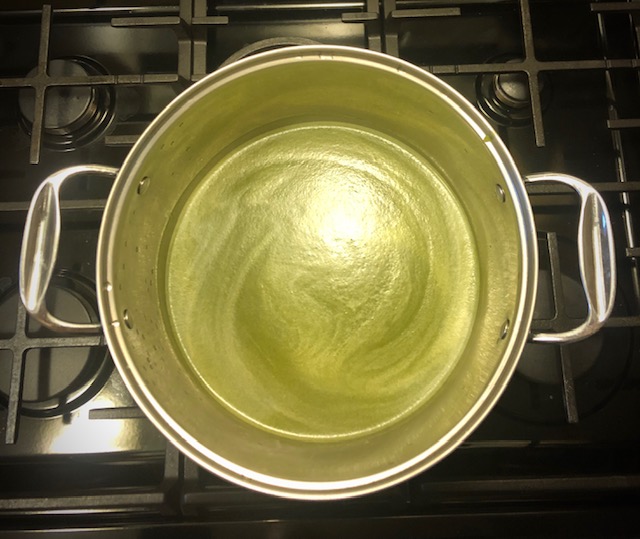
560, 82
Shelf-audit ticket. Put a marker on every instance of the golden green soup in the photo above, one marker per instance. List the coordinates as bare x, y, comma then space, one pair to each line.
322, 280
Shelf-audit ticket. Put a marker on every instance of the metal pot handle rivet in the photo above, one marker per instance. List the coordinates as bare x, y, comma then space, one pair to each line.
596, 256
40, 248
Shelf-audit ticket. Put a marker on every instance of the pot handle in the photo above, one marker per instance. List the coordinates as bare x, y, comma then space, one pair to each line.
40, 248
596, 256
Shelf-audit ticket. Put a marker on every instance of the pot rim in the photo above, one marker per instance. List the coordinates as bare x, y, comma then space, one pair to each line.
518, 331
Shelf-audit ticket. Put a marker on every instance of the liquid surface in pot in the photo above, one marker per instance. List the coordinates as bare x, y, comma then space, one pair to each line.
322, 280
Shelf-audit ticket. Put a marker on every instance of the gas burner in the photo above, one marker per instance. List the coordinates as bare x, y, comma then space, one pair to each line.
267, 45
57, 379
539, 362
505, 97
74, 116
598, 364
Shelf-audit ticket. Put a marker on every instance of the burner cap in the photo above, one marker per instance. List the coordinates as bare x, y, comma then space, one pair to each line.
57, 380
73, 115
512, 89
505, 97
64, 105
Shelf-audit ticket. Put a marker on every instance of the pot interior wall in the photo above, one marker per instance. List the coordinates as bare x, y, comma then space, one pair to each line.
208, 122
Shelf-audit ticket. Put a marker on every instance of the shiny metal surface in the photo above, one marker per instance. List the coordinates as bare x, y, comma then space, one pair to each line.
265, 45
596, 252
40, 248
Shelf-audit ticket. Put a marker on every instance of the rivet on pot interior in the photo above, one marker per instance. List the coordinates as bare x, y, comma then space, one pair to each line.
126, 319
108, 287
504, 330
502, 197
143, 185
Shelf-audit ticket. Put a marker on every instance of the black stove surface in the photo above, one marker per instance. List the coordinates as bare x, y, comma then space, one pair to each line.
560, 82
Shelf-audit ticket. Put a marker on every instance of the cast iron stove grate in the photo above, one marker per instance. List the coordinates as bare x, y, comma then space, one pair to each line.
566, 71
